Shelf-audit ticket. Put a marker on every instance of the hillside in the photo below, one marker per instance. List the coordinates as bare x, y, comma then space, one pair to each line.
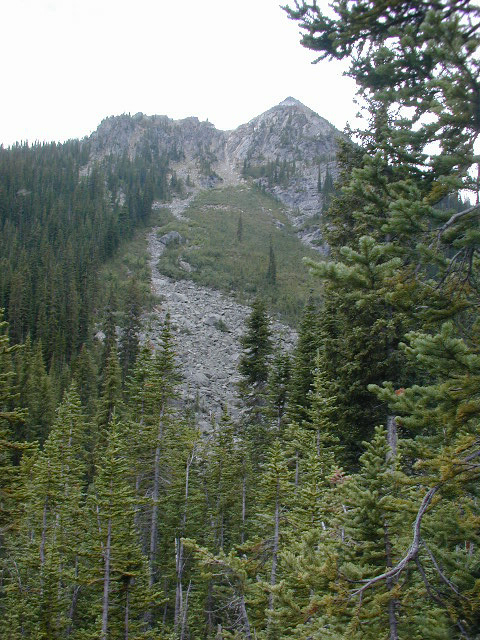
289, 151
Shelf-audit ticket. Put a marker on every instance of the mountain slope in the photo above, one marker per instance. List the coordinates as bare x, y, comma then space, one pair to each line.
289, 151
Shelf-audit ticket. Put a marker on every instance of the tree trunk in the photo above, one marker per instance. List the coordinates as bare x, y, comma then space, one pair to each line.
244, 507
127, 608
392, 604
391, 437
179, 588
276, 539
155, 494
183, 631
244, 614
179, 604
106, 580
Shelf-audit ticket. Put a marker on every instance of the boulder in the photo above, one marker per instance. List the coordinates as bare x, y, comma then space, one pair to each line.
212, 319
170, 238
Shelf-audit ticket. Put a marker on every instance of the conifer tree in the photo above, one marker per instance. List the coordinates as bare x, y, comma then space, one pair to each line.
110, 397
271, 276
45, 556
360, 333
116, 563
224, 479
303, 363
278, 389
36, 393
273, 499
254, 367
417, 69
257, 347
85, 374
11, 419
160, 439
129, 341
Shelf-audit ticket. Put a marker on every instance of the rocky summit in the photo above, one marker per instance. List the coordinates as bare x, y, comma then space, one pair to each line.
289, 151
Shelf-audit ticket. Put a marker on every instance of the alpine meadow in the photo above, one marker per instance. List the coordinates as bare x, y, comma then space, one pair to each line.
240, 370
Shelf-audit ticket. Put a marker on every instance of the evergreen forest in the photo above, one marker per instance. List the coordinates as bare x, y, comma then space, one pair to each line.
344, 503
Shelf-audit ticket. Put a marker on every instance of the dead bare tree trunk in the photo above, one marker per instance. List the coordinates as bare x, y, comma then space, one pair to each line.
244, 507
155, 495
244, 614
391, 437
180, 615
389, 582
183, 630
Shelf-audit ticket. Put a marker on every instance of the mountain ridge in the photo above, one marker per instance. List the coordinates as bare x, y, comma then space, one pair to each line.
287, 150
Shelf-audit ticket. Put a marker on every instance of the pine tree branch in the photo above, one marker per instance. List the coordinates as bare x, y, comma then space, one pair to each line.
417, 540
413, 550
433, 593
455, 217
440, 572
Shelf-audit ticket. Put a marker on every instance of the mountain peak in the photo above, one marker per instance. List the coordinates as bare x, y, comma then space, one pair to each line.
291, 102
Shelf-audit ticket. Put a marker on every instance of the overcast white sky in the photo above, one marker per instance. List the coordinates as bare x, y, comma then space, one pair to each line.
67, 64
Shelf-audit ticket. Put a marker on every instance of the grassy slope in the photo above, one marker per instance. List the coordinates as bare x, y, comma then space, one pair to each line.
131, 261
221, 261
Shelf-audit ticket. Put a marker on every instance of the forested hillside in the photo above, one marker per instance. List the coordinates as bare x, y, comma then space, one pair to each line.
61, 220
342, 500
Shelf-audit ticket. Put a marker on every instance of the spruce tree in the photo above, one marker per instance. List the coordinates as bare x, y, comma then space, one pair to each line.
12, 418
116, 565
129, 340
271, 276
45, 555
254, 368
257, 347
278, 389
303, 363
110, 400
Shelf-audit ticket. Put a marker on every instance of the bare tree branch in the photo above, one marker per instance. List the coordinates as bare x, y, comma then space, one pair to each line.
456, 216
440, 572
417, 540
413, 550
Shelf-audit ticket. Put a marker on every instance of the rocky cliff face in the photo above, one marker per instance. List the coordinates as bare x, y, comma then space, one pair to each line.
287, 150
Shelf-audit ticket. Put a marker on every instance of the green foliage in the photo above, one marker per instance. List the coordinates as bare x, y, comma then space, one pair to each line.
58, 225
116, 563
257, 346
12, 418
303, 363
404, 269
220, 260
271, 173
271, 276
36, 392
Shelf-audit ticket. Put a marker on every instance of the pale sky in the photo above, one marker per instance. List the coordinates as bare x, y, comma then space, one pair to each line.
67, 64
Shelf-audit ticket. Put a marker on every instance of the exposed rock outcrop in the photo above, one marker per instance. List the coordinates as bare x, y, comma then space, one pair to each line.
287, 150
